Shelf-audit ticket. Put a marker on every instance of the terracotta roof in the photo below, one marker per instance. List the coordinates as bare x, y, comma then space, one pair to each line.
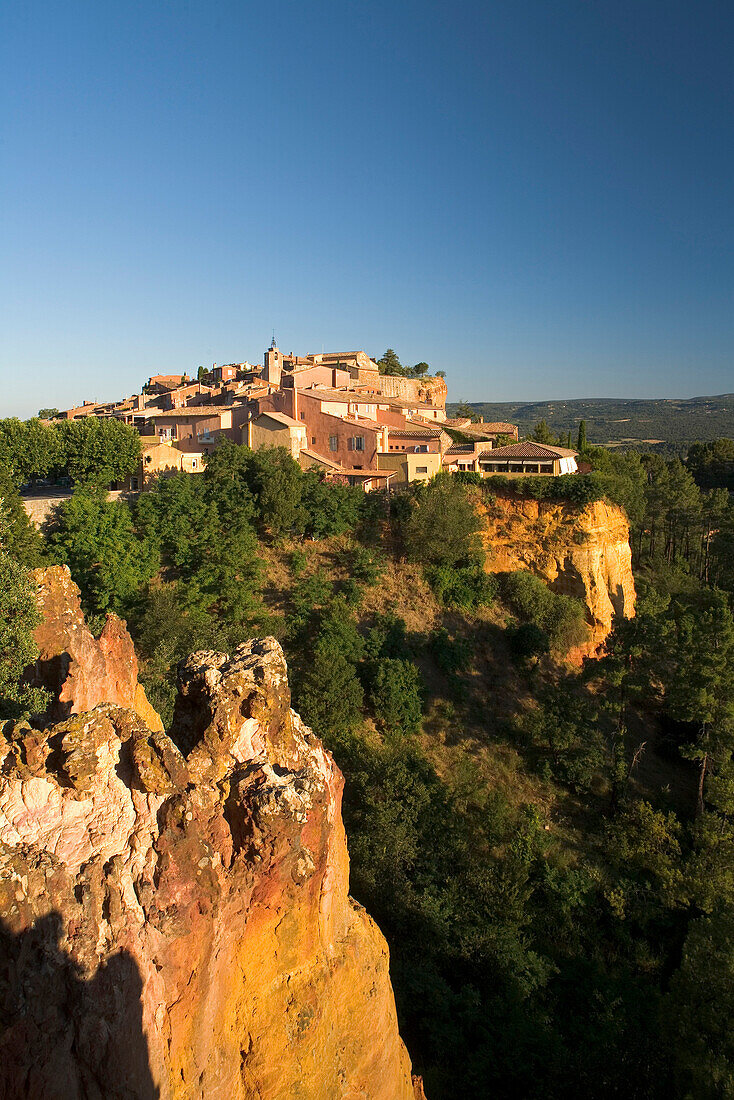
328, 393
194, 410
420, 431
529, 449
461, 449
282, 418
404, 403
369, 473
336, 466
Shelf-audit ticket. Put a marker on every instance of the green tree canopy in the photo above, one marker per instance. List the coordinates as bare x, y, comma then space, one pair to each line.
396, 697
19, 615
97, 452
107, 558
443, 525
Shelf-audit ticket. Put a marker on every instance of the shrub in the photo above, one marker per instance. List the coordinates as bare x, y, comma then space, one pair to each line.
464, 587
19, 615
560, 617
386, 638
396, 697
528, 640
452, 655
443, 526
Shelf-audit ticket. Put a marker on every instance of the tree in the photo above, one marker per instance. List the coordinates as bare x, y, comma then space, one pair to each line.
420, 369
542, 433
107, 558
581, 438
330, 697
396, 697
331, 509
201, 374
528, 641
93, 451
47, 414
443, 526
712, 464
700, 1007
466, 412
18, 536
701, 689
560, 617
28, 448
19, 615
390, 364
440, 374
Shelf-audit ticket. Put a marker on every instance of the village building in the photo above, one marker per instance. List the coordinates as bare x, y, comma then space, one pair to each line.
333, 411
514, 459
160, 459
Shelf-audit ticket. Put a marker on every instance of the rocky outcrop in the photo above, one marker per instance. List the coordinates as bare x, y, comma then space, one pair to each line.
79, 670
581, 551
175, 912
432, 391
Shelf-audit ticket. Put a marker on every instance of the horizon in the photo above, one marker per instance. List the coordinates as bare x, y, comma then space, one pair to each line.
528, 198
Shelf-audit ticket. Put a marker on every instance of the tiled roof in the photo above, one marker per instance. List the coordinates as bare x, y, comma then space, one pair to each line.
194, 410
336, 466
420, 431
283, 418
461, 449
529, 449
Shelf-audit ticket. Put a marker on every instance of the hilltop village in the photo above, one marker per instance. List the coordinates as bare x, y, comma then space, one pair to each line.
335, 411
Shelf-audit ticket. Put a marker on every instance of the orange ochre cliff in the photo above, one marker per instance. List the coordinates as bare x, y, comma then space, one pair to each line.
175, 918
578, 550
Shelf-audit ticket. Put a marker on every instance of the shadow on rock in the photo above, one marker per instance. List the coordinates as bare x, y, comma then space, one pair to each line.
63, 1037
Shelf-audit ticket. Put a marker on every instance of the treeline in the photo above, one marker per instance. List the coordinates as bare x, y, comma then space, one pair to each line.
90, 450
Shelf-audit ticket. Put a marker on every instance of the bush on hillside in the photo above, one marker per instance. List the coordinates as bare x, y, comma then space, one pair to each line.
464, 587
396, 697
561, 618
442, 527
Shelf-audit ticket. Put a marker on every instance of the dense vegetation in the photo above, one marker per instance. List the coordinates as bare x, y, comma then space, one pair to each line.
548, 850
612, 419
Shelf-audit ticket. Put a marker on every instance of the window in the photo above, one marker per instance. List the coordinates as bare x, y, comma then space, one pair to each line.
303, 416
356, 443
313, 440
421, 469
134, 484
333, 442
193, 463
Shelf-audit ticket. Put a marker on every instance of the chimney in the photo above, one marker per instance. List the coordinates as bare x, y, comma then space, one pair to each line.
333, 376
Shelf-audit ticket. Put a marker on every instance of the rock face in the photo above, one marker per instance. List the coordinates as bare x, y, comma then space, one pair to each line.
433, 391
579, 551
78, 669
175, 912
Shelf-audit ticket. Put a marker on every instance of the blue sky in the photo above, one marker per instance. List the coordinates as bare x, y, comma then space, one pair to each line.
535, 197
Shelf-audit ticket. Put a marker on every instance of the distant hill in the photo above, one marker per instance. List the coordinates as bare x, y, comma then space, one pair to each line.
613, 420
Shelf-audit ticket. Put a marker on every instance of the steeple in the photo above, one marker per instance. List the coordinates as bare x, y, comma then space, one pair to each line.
272, 363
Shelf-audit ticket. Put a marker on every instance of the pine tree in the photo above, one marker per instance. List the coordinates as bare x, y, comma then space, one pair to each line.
581, 439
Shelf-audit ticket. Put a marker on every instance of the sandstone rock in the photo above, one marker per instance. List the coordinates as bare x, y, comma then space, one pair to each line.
78, 669
579, 551
432, 391
179, 926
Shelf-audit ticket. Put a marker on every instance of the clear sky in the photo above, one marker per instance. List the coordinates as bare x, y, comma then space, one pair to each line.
533, 195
